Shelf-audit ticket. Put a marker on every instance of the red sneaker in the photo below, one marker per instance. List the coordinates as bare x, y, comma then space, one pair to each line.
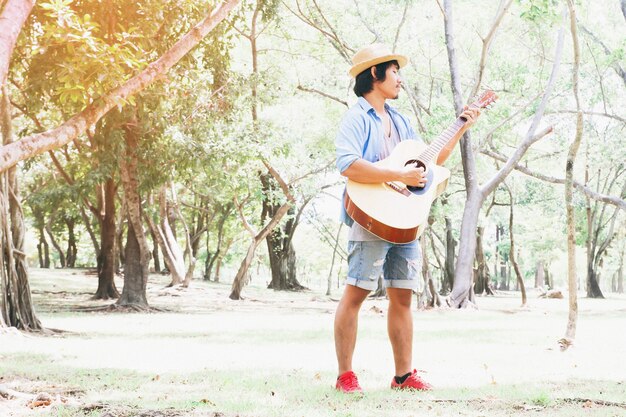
348, 382
413, 382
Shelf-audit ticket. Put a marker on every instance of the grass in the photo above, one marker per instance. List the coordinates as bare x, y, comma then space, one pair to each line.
273, 355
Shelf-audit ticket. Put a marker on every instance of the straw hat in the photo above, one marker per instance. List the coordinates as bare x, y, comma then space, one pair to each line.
374, 54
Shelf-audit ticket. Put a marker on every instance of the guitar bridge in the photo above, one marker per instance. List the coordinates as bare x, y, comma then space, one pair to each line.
399, 189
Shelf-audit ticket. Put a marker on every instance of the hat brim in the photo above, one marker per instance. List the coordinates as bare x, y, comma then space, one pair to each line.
362, 66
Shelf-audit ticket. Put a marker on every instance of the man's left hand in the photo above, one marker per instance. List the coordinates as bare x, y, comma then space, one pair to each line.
470, 115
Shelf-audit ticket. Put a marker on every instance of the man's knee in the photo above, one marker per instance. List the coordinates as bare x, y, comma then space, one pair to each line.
400, 297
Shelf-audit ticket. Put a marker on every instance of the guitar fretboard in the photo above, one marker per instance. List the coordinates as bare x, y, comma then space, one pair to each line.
437, 145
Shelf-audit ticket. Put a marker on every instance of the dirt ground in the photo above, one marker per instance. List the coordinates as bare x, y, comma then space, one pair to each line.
272, 354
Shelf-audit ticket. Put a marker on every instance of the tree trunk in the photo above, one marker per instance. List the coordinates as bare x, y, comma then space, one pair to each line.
381, 291
593, 286
549, 282
448, 272
243, 273
72, 250
539, 274
428, 296
108, 234
483, 278
54, 242
220, 259
282, 257
518, 274
119, 237
15, 299
12, 18
463, 289
87, 223
172, 253
222, 247
137, 254
281, 252
570, 331
155, 253
43, 249
242, 277
620, 275
135, 275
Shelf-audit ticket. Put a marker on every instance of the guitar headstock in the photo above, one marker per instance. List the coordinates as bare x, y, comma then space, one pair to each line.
487, 98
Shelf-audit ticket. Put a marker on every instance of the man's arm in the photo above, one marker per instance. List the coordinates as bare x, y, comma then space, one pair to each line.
366, 172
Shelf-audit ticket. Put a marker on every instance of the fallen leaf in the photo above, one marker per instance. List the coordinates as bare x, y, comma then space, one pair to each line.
588, 404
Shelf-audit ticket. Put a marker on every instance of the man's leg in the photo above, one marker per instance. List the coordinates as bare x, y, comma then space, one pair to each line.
400, 328
346, 324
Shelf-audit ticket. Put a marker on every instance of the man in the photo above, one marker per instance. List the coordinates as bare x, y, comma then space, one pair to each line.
368, 133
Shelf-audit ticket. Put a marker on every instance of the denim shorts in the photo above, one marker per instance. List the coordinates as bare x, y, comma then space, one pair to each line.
400, 265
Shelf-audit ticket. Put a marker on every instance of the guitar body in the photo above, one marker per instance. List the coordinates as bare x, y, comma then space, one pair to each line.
390, 210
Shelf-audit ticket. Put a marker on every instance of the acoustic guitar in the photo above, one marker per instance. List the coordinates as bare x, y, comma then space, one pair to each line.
394, 211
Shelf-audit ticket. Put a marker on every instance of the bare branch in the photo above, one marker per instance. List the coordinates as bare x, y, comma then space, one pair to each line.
443, 12
313, 172
337, 43
530, 138
372, 30
615, 64
616, 201
487, 44
404, 13
512, 162
590, 113
520, 109
283, 184
242, 216
321, 93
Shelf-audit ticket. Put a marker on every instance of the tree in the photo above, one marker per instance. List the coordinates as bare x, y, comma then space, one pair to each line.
476, 194
16, 301
241, 279
600, 233
572, 285
78, 124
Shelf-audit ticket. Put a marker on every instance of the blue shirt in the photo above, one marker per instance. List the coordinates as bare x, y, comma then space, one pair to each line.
361, 135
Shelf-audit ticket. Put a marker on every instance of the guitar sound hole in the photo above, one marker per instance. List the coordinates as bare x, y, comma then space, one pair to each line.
416, 163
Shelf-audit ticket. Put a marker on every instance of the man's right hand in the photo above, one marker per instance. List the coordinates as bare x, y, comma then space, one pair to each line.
415, 177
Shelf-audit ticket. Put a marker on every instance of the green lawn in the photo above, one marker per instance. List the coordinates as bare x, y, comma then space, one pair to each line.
272, 354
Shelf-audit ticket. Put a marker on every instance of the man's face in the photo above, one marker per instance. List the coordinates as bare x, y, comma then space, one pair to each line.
390, 88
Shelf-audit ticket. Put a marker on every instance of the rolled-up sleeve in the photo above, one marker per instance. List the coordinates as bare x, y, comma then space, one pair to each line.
349, 141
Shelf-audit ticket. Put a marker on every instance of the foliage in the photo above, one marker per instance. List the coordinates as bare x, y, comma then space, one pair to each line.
197, 133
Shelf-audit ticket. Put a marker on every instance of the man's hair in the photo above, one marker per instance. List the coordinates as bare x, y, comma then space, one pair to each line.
364, 82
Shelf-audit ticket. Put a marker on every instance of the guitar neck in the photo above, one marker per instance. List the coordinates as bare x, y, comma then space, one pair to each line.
452, 133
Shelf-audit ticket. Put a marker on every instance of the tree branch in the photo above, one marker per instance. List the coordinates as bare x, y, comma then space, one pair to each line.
321, 93
512, 162
615, 65
616, 201
242, 216
487, 44
12, 19
38, 143
404, 13
530, 134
